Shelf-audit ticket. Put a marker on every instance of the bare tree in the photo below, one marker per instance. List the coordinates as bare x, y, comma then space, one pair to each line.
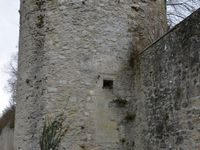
12, 81
177, 10
7, 119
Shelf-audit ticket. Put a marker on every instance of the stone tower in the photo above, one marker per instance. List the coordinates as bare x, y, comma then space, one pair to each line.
76, 58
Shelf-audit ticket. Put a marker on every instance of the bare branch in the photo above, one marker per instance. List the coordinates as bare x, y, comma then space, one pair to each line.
177, 10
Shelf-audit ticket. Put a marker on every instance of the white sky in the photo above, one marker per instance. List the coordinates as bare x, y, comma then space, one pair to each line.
9, 27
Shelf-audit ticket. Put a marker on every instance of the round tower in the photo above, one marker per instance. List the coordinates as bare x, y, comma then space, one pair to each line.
75, 58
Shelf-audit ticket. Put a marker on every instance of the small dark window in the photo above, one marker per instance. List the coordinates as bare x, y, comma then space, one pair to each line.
107, 84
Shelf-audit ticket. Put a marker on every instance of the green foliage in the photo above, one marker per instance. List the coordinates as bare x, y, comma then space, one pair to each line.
40, 22
40, 18
53, 132
130, 117
178, 92
27, 81
166, 117
39, 3
120, 102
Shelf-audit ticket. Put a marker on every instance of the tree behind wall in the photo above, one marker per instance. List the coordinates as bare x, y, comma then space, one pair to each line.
177, 10
7, 119
12, 81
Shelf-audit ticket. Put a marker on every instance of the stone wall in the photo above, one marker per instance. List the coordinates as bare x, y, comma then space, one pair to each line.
7, 139
75, 57
167, 78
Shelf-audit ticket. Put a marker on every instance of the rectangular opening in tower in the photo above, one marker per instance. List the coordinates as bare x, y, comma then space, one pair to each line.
107, 84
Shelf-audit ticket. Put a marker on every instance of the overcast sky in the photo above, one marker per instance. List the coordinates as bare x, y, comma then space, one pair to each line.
9, 33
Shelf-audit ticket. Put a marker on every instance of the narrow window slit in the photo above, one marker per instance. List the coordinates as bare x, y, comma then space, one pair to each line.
107, 84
